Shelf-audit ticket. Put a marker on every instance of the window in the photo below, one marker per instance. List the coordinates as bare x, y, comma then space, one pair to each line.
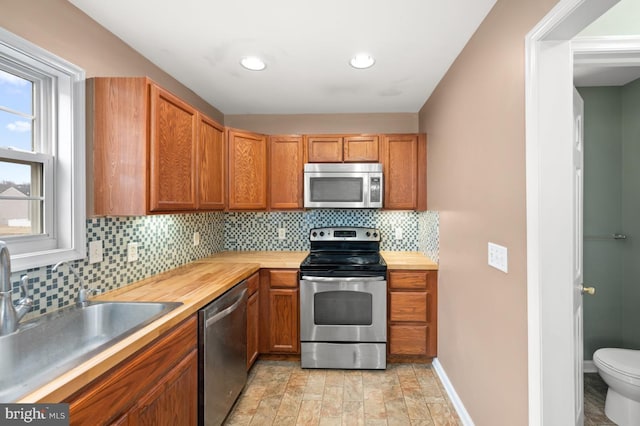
42, 165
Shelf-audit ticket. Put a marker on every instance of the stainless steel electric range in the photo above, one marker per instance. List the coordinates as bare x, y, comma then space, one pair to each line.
343, 300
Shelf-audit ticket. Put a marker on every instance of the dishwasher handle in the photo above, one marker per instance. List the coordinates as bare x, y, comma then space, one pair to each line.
226, 311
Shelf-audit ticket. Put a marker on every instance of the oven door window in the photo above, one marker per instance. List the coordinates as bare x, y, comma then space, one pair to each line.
342, 308
337, 189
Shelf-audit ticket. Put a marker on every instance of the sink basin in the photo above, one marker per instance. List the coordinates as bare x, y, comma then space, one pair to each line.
47, 347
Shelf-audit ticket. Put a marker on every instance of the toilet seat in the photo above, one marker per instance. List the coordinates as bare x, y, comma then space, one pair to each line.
624, 362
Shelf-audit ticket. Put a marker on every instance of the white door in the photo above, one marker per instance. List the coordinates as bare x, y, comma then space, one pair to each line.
578, 179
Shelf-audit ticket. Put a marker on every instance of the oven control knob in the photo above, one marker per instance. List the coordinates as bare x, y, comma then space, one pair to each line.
375, 235
368, 234
322, 233
314, 233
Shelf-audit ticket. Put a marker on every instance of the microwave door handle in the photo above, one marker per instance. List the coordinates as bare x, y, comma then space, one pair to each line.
336, 279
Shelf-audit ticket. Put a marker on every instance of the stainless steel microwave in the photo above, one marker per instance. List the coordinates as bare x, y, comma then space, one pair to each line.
343, 185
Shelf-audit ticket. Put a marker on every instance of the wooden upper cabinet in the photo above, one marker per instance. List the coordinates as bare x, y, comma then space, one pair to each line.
360, 149
324, 149
404, 161
173, 147
152, 152
118, 131
247, 170
286, 168
343, 148
212, 172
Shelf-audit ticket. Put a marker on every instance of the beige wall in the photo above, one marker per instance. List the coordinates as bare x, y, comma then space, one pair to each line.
475, 122
61, 28
325, 123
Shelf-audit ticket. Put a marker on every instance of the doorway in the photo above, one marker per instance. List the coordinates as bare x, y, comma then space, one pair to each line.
554, 397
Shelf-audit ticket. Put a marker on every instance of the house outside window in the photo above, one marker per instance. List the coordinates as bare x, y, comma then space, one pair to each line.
42, 155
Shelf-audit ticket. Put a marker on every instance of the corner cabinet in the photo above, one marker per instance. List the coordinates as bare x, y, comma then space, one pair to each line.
158, 385
247, 170
413, 313
404, 161
279, 306
152, 152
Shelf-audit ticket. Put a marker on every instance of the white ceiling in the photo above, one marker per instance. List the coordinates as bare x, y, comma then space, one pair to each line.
604, 75
306, 44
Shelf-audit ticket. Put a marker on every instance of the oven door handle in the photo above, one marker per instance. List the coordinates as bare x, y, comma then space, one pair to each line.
336, 279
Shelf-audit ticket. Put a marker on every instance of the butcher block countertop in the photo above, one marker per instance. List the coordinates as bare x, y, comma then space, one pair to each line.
195, 285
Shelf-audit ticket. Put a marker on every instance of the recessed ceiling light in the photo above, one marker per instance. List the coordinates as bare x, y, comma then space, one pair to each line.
362, 61
253, 63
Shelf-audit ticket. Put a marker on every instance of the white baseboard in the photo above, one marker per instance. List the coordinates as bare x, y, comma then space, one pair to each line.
589, 367
453, 395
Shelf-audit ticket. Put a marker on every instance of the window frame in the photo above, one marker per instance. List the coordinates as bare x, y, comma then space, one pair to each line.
62, 132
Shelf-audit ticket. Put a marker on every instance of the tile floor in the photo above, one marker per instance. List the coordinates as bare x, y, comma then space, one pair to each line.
595, 393
281, 393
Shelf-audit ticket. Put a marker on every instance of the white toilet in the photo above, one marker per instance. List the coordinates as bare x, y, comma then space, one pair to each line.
620, 369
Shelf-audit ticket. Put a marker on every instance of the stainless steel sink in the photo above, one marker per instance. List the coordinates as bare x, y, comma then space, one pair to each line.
47, 347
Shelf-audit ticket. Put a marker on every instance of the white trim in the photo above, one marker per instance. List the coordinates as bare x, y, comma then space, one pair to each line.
588, 366
465, 418
548, 317
67, 147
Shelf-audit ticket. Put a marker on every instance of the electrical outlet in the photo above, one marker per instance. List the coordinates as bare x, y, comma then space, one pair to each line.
132, 252
498, 257
398, 233
95, 251
196, 238
282, 233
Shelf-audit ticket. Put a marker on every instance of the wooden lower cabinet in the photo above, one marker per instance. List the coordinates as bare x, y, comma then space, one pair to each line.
413, 313
253, 319
172, 401
156, 386
279, 311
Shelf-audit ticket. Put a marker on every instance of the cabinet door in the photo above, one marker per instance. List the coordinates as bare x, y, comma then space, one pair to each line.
400, 155
172, 152
286, 172
211, 165
283, 327
247, 171
361, 149
253, 324
324, 149
174, 400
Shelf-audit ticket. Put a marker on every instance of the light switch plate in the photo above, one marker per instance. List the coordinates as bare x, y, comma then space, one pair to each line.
132, 252
95, 251
398, 233
196, 238
498, 257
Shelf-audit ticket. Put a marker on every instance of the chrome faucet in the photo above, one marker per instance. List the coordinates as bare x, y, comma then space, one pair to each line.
10, 315
84, 292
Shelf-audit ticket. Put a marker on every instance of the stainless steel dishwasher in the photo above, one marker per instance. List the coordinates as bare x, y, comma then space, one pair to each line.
222, 353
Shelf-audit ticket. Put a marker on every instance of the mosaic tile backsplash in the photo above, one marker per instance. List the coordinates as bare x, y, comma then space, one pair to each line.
166, 242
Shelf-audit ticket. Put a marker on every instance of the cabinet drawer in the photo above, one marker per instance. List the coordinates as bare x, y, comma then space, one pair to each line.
408, 306
284, 278
409, 280
253, 282
408, 339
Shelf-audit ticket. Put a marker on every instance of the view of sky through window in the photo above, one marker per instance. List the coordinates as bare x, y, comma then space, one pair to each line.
16, 123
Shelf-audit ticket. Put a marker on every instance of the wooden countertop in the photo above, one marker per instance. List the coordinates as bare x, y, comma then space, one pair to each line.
195, 285
408, 260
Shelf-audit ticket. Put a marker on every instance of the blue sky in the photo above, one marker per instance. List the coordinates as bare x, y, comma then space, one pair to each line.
15, 130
